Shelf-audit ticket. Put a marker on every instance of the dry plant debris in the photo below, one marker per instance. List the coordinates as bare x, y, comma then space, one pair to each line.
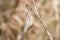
30, 20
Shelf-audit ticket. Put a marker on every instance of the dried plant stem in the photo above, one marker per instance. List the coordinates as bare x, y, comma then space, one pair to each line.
29, 22
37, 15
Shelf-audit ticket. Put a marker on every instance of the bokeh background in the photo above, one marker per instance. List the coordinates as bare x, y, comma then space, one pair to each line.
13, 15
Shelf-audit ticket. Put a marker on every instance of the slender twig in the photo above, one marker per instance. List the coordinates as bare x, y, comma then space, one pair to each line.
37, 15
29, 22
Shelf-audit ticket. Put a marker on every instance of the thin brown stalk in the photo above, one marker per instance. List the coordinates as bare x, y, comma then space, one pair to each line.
37, 15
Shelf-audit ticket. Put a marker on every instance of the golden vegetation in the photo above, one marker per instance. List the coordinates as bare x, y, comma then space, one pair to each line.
13, 15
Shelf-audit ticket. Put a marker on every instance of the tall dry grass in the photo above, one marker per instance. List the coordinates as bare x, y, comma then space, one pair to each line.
23, 22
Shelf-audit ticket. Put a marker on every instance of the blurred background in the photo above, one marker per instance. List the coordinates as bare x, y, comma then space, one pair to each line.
13, 15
